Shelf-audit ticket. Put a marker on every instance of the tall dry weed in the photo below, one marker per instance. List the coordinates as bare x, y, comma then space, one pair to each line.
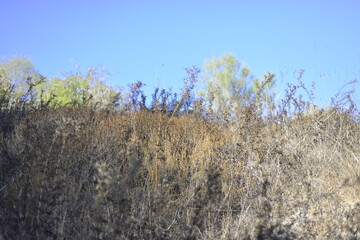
288, 173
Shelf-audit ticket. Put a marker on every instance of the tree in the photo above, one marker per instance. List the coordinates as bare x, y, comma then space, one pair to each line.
18, 79
6, 89
229, 84
80, 89
21, 84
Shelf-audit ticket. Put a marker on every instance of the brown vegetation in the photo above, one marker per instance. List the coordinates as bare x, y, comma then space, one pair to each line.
76, 173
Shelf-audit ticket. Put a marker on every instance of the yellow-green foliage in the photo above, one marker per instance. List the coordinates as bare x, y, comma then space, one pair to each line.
78, 90
22, 86
230, 83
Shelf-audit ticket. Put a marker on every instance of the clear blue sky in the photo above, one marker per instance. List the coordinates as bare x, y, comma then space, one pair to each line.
153, 41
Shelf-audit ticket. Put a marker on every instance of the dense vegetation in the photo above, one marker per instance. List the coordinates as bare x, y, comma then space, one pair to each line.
77, 162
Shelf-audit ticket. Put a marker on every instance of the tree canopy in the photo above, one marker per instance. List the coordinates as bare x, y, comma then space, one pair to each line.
20, 82
229, 83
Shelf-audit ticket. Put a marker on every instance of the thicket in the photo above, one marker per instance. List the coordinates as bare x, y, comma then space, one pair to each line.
179, 169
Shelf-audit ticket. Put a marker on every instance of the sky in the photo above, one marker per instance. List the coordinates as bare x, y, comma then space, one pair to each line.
153, 41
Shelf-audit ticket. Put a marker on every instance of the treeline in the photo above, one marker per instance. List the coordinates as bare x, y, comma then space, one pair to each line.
22, 86
228, 86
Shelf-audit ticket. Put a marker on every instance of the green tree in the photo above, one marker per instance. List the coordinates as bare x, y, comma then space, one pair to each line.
78, 89
6, 89
229, 84
21, 84
18, 79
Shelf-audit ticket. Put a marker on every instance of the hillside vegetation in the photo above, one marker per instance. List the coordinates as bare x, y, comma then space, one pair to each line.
177, 169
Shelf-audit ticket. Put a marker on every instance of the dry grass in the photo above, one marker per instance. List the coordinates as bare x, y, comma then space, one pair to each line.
81, 174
